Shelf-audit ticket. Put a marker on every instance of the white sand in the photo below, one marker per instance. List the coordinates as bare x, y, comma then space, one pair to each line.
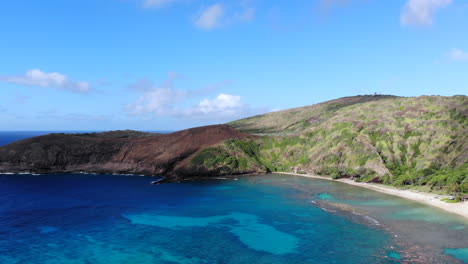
426, 198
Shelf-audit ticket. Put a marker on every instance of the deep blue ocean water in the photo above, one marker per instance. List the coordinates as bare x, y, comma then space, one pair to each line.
85, 218
11, 136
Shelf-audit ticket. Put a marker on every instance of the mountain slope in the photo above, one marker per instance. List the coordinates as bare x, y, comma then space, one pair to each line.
401, 141
292, 121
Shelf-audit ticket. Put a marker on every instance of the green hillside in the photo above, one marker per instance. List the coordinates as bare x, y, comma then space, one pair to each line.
417, 141
292, 121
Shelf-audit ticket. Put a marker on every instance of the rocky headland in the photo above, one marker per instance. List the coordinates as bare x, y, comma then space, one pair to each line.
122, 152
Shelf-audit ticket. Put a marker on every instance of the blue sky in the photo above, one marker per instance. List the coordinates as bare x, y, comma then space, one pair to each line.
174, 64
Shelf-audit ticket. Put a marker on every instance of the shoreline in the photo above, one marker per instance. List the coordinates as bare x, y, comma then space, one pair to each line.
460, 209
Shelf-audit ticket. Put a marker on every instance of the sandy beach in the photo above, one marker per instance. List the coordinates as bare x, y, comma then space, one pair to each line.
426, 198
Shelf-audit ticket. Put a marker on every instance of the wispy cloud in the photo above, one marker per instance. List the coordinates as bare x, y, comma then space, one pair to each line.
421, 12
219, 15
211, 17
56, 114
156, 100
146, 84
329, 4
458, 55
326, 7
103, 82
216, 15
56, 80
20, 99
167, 101
157, 3
244, 15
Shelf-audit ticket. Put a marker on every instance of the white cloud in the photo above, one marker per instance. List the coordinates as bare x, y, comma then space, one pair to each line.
223, 108
421, 12
156, 100
211, 17
166, 101
159, 101
458, 55
157, 3
225, 104
56, 80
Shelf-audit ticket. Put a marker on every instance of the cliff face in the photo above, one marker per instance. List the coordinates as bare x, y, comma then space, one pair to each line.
163, 154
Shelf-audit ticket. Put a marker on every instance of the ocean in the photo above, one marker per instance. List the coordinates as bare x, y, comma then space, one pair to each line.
87, 218
11, 136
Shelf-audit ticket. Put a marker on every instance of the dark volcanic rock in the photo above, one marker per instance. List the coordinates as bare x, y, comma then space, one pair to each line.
118, 134
160, 154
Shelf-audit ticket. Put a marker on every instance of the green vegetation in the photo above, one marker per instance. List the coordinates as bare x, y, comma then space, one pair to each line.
232, 157
294, 120
405, 142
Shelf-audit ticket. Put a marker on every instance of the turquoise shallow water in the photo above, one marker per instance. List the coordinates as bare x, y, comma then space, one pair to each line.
262, 219
460, 253
246, 227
